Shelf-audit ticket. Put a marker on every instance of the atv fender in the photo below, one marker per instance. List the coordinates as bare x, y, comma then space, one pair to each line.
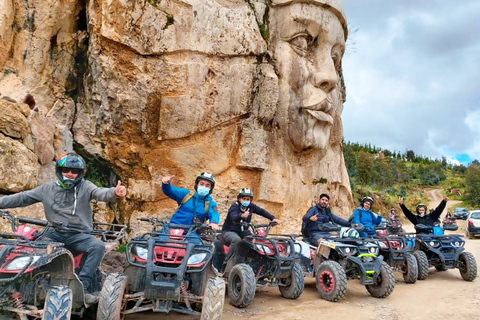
441, 256
363, 267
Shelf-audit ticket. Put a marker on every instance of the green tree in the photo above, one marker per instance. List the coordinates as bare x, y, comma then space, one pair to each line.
364, 166
472, 176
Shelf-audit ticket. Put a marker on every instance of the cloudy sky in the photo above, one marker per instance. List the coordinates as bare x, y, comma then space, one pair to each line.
412, 71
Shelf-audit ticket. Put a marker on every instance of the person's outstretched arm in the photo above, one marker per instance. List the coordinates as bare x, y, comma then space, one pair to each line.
410, 216
438, 211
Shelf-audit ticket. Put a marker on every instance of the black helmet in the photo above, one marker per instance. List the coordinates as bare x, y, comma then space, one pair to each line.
367, 199
70, 161
205, 176
245, 192
421, 205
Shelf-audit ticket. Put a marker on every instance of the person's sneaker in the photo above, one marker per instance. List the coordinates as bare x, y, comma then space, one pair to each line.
90, 298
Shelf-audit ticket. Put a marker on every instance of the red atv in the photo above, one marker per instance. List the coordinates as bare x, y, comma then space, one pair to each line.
261, 259
170, 270
37, 277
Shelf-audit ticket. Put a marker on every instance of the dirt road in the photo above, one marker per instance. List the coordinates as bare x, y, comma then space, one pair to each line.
443, 295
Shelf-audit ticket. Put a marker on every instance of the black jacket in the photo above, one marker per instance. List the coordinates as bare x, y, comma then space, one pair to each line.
324, 216
233, 219
427, 219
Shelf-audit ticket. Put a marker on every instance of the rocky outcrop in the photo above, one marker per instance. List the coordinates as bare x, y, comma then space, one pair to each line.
149, 88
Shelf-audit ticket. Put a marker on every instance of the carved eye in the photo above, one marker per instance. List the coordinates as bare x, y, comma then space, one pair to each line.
300, 43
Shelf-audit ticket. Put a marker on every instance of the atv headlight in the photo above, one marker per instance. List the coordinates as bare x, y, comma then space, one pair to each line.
20, 262
263, 248
433, 243
347, 251
140, 251
383, 245
196, 258
373, 250
458, 243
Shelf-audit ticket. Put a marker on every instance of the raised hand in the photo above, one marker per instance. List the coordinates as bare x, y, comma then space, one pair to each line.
120, 190
167, 179
400, 200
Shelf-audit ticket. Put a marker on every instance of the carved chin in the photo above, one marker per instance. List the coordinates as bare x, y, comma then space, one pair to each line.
310, 137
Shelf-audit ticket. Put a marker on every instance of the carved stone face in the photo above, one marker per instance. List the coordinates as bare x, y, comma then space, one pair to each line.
308, 42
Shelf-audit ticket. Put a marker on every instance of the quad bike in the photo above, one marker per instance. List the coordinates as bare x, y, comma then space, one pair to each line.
261, 259
170, 270
397, 252
343, 257
37, 277
434, 249
449, 224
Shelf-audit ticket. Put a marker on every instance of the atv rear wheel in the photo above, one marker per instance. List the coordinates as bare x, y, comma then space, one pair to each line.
410, 269
384, 283
241, 285
422, 263
467, 266
58, 303
292, 287
214, 297
110, 302
331, 281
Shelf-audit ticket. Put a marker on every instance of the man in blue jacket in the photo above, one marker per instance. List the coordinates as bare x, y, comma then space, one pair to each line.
363, 215
317, 215
194, 206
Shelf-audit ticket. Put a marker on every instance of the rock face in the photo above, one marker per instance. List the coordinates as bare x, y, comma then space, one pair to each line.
250, 91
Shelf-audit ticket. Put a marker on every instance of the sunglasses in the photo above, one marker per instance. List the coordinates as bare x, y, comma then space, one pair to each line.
67, 170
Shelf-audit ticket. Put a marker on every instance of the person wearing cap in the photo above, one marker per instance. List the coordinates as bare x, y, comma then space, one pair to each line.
365, 216
422, 217
240, 211
67, 200
317, 215
196, 205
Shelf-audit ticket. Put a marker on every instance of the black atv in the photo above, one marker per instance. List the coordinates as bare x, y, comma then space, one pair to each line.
37, 277
170, 270
397, 252
341, 258
261, 259
442, 251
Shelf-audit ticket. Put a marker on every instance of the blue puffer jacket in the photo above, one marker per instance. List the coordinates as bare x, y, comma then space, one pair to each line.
368, 219
186, 212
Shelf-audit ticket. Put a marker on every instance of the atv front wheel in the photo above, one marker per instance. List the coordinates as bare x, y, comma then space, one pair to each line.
384, 284
410, 269
467, 266
110, 302
241, 285
292, 287
214, 296
422, 263
58, 303
331, 281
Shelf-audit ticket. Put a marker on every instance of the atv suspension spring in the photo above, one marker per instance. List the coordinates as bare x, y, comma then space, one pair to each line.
17, 301
184, 290
259, 272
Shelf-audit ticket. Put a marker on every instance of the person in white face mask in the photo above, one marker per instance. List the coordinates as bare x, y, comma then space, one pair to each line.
422, 217
240, 211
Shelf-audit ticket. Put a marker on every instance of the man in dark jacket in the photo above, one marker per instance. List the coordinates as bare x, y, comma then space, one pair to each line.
422, 217
240, 211
67, 200
317, 215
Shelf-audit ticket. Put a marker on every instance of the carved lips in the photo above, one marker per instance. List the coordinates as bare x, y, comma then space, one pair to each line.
321, 111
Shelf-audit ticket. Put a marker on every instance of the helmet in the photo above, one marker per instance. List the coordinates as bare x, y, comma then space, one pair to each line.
71, 161
245, 192
205, 176
393, 209
367, 198
421, 205
349, 233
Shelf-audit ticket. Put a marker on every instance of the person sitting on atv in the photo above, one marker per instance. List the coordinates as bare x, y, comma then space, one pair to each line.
363, 215
421, 217
393, 216
448, 216
240, 211
67, 200
317, 215
193, 206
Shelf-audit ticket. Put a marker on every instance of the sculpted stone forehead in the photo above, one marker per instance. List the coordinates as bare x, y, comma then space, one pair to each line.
333, 5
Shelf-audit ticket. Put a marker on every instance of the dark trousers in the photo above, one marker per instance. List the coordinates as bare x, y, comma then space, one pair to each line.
82, 243
231, 239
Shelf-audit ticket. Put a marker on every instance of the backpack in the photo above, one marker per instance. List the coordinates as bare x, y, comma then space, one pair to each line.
188, 197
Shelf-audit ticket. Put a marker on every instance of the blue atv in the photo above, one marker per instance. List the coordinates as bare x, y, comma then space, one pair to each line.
432, 248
